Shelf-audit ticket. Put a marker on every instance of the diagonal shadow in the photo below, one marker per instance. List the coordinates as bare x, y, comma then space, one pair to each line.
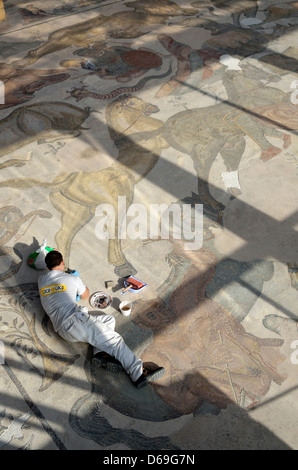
240, 230
273, 227
93, 425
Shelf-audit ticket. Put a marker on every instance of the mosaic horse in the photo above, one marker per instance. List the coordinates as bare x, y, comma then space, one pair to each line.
76, 195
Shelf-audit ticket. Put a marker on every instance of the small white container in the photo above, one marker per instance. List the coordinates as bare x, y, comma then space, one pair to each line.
125, 308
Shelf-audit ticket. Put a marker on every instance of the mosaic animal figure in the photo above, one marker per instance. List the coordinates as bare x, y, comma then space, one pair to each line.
218, 129
115, 62
76, 195
123, 24
11, 219
217, 360
44, 121
253, 108
235, 8
20, 85
83, 92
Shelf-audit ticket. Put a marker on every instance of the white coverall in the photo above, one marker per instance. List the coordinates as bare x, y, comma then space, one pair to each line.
58, 292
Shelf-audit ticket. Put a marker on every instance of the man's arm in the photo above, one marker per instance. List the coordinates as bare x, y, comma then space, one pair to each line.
85, 294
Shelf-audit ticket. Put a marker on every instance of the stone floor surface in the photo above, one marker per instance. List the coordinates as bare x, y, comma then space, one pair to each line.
158, 139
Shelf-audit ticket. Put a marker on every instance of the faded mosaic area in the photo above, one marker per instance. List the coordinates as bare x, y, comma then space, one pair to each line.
157, 102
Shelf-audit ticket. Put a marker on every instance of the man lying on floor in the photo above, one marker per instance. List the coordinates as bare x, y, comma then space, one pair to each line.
58, 293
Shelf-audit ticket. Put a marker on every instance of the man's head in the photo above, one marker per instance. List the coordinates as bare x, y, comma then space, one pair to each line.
53, 259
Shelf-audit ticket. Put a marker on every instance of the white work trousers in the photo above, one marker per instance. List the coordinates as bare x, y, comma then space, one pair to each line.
99, 331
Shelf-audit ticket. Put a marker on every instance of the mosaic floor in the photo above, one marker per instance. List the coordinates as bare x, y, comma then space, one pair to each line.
119, 113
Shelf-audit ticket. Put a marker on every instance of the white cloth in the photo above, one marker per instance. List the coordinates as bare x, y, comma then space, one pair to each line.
231, 179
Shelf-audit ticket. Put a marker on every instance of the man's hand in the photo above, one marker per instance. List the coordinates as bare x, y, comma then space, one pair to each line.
74, 272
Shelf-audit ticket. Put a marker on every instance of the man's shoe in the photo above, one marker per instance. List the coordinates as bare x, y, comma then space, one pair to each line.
104, 360
149, 376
